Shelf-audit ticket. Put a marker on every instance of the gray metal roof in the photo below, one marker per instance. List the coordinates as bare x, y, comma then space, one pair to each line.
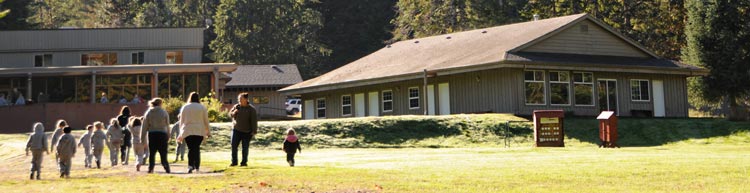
264, 75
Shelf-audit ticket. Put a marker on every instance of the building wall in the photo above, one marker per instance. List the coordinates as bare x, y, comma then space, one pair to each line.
78, 115
73, 58
502, 91
597, 41
100, 39
274, 108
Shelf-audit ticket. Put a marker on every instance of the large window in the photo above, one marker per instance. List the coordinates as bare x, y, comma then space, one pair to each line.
584, 88
639, 90
174, 57
346, 105
387, 101
559, 83
99, 59
137, 57
123, 89
321, 107
43, 60
414, 98
534, 86
180, 85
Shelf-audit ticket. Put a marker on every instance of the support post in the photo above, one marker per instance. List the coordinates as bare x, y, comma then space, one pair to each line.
28, 87
93, 87
216, 83
155, 84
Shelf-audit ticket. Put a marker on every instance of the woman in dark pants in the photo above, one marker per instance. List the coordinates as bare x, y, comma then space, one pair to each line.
124, 119
156, 127
194, 129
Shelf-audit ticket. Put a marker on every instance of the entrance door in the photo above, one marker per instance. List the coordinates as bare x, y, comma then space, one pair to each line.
608, 95
445, 99
309, 109
431, 99
659, 108
374, 107
359, 105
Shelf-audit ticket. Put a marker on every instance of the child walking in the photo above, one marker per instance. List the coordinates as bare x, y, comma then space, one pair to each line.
179, 145
85, 141
66, 149
37, 143
139, 147
114, 134
291, 145
98, 139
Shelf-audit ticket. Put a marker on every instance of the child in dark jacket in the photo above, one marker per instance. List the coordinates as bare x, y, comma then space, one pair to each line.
37, 144
291, 145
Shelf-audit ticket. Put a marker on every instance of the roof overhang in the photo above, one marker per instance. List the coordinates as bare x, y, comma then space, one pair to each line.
117, 69
503, 64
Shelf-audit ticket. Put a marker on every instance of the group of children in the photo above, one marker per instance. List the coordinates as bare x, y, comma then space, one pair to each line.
95, 139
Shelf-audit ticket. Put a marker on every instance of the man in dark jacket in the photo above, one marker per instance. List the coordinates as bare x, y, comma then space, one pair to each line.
245, 122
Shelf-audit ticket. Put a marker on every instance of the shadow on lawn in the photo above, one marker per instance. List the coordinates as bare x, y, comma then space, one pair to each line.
654, 131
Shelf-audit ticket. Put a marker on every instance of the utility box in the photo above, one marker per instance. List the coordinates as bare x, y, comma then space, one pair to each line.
548, 128
608, 129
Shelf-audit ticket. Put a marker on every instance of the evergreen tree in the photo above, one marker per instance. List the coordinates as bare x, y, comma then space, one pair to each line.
14, 14
3, 13
717, 40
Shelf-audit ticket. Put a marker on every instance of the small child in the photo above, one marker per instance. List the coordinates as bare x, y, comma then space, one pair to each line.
179, 145
139, 147
37, 143
61, 124
291, 145
66, 149
85, 141
114, 134
98, 139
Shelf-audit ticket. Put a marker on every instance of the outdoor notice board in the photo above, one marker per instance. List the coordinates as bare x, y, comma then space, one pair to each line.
548, 128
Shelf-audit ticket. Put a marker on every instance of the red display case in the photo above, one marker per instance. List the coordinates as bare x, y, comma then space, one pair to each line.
548, 128
608, 129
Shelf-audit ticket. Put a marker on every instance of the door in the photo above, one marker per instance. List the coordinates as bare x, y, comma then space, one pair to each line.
359, 105
431, 99
445, 98
309, 109
374, 104
659, 108
608, 95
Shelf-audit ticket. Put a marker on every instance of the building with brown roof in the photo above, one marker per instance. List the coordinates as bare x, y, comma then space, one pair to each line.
262, 82
575, 63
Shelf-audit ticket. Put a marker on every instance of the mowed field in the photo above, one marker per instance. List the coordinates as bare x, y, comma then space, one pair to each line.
715, 163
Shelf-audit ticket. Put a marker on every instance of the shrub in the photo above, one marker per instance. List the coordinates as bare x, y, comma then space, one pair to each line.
173, 106
215, 111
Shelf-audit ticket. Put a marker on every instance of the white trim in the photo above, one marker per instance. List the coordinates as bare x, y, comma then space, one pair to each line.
317, 108
350, 105
640, 90
408, 95
382, 103
560, 82
544, 84
593, 88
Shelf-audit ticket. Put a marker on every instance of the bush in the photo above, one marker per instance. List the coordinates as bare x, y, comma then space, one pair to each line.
215, 111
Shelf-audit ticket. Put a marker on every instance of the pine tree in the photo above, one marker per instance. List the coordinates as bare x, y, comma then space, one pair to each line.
14, 14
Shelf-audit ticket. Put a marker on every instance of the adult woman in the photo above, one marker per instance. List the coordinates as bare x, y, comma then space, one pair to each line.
193, 129
124, 120
156, 127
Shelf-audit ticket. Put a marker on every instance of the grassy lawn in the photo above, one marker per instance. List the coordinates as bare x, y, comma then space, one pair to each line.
688, 155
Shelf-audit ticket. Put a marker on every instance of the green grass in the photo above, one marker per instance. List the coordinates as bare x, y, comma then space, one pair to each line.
658, 155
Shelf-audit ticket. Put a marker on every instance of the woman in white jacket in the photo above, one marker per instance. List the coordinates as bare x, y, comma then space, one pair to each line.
193, 129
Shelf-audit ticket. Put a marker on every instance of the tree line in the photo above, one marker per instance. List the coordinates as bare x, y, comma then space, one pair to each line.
321, 35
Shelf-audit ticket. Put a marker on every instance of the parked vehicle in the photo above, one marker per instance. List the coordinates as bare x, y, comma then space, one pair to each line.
293, 106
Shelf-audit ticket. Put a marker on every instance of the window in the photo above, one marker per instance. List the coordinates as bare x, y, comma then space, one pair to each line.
387, 101
99, 59
260, 100
321, 107
174, 57
414, 98
639, 90
346, 105
534, 86
137, 57
559, 84
584, 88
43, 60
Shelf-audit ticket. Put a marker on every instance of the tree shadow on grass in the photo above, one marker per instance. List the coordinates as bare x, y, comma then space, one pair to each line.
634, 132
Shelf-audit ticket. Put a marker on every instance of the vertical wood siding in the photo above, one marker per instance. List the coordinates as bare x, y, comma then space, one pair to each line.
597, 41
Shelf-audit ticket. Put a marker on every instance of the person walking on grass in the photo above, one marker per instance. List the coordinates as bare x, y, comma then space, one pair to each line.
139, 147
66, 149
57, 133
194, 129
85, 141
156, 128
98, 139
37, 143
245, 126
291, 145
114, 134
179, 146
124, 120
